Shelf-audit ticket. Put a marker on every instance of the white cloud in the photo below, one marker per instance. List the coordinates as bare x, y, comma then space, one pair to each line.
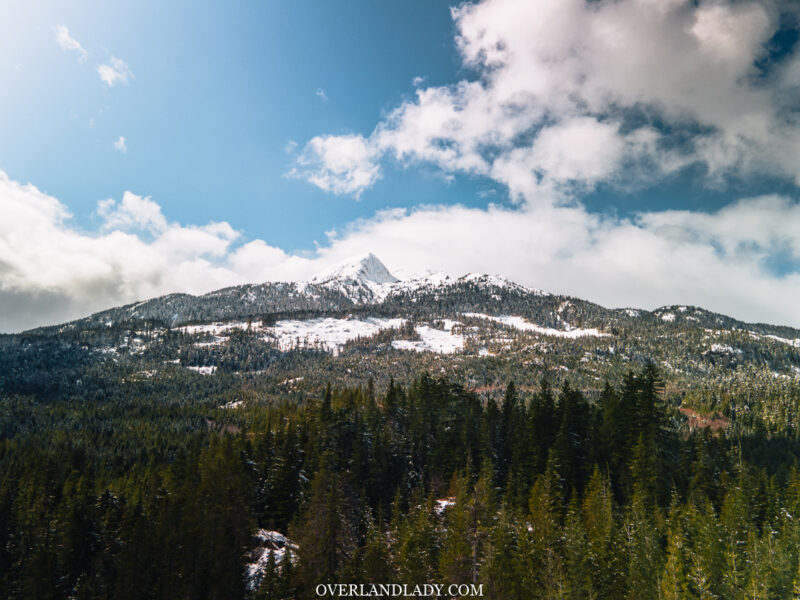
115, 72
418, 81
51, 271
67, 42
134, 212
320, 93
120, 144
340, 164
637, 86
654, 260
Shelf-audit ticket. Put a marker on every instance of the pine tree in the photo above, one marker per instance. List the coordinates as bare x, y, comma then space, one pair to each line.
674, 582
499, 570
539, 560
643, 546
577, 569
602, 539
416, 554
327, 534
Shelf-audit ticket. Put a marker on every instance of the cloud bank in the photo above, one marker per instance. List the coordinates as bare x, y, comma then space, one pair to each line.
51, 271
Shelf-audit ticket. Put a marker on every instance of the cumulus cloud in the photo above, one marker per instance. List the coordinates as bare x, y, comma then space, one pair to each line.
341, 164
121, 145
67, 42
51, 271
133, 212
567, 94
116, 71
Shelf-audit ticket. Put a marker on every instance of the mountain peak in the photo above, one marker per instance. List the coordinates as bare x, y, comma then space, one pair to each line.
363, 268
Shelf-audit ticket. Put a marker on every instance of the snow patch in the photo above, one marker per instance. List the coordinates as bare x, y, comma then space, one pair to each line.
525, 325
269, 542
795, 342
441, 341
327, 334
204, 370
724, 349
219, 328
442, 504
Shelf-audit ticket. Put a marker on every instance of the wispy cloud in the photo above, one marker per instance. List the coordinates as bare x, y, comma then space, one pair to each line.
67, 42
320, 93
418, 81
121, 145
116, 71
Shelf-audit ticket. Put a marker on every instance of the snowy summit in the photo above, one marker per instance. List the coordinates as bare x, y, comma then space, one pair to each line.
364, 269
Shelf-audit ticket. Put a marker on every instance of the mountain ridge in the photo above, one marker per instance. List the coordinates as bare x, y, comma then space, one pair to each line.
364, 282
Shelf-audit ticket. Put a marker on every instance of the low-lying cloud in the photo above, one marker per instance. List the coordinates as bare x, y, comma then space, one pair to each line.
52, 271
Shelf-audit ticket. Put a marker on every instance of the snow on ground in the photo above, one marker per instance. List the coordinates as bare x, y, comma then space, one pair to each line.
442, 504
327, 334
525, 325
204, 370
218, 340
724, 349
795, 342
233, 404
217, 328
442, 341
269, 542
669, 317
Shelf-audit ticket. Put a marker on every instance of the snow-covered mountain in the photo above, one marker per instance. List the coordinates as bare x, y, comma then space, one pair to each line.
360, 297
365, 319
363, 269
357, 282
362, 279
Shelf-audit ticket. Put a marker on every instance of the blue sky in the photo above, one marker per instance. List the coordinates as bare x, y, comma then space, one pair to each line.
218, 93
637, 152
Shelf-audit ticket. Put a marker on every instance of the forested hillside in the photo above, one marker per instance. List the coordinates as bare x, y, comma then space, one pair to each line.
159, 492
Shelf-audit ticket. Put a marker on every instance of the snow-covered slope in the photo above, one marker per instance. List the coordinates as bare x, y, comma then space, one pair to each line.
364, 269
366, 280
362, 279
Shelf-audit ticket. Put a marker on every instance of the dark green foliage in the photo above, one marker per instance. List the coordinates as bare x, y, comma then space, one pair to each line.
156, 493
